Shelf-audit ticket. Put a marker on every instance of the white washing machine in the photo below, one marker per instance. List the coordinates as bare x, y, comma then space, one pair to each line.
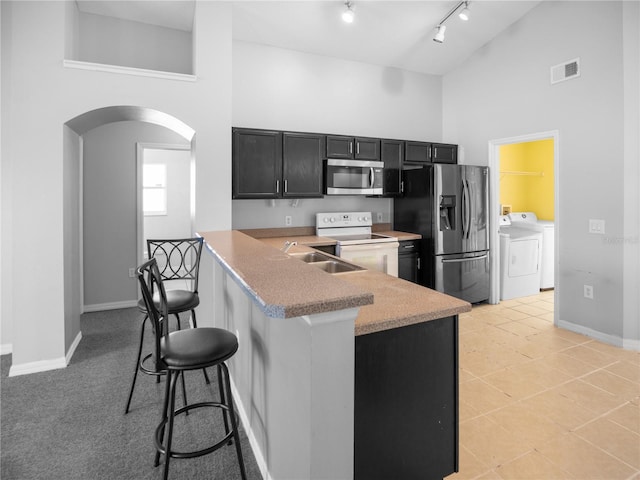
547, 228
520, 260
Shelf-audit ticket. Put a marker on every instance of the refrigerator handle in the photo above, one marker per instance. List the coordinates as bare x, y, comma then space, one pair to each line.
466, 259
464, 210
467, 209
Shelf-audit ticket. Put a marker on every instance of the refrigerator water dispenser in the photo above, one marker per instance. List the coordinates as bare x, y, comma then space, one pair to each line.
447, 212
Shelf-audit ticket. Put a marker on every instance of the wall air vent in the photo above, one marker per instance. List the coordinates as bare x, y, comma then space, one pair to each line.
565, 71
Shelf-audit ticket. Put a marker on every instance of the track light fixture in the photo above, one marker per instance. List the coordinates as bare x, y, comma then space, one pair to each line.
347, 15
441, 27
439, 36
464, 13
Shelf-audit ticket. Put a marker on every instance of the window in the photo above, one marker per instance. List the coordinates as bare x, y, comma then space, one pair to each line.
154, 189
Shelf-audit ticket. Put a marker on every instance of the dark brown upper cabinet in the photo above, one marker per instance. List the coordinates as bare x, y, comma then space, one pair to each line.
257, 163
302, 155
270, 164
360, 148
444, 153
392, 155
427, 152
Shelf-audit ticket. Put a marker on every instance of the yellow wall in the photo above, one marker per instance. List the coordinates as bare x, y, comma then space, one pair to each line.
528, 193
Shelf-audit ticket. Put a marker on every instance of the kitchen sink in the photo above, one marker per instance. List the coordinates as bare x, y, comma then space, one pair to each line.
326, 262
312, 257
334, 266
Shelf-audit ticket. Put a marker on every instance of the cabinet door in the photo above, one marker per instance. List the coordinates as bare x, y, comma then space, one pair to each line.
339, 147
444, 153
392, 154
417, 152
367, 149
302, 155
257, 163
408, 255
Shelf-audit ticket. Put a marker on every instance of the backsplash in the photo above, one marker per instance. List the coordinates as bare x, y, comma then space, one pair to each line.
272, 213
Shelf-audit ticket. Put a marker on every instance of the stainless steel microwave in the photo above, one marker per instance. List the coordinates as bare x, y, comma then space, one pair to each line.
353, 177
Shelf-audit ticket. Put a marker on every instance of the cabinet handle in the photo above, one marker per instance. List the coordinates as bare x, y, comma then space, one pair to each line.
401, 187
418, 263
435, 152
429, 153
358, 148
350, 148
277, 186
285, 186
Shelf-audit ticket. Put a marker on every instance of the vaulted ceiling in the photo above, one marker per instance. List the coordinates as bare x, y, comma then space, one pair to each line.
389, 33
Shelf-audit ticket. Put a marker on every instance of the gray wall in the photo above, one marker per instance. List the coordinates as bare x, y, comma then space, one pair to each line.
112, 41
110, 218
503, 90
286, 90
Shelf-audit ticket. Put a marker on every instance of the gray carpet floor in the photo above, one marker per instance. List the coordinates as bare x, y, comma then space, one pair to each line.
70, 423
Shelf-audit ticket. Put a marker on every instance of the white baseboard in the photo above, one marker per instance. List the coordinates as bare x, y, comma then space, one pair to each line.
6, 348
45, 365
629, 344
255, 447
72, 348
614, 340
35, 367
99, 307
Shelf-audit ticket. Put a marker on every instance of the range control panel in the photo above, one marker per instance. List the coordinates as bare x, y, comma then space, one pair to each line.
343, 219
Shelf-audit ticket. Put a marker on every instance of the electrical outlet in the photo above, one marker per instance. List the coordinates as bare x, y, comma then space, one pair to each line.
379, 217
132, 273
588, 291
596, 226
288, 220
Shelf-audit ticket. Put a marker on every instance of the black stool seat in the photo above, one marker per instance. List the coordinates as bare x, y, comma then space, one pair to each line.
177, 301
197, 348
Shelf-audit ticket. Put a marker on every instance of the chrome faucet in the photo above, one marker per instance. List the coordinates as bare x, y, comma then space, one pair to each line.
288, 245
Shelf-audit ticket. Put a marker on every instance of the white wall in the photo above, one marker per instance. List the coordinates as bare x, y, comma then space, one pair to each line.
6, 324
33, 68
72, 211
503, 90
282, 89
110, 210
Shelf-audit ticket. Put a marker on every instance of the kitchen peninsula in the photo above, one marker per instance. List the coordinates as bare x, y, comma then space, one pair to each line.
314, 402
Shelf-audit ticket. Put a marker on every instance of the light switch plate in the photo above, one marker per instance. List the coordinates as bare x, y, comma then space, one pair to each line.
596, 226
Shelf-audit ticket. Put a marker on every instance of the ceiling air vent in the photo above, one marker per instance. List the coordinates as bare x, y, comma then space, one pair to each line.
565, 71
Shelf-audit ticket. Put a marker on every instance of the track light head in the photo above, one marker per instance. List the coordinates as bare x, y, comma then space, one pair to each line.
348, 15
464, 13
439, 36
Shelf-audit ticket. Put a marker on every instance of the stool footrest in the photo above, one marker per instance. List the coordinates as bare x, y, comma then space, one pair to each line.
227, 439
149, 371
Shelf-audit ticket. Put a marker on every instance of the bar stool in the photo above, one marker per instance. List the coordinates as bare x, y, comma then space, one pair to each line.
182, 351
178, 260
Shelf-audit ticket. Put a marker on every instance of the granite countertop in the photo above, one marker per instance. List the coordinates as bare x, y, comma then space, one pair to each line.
286, 287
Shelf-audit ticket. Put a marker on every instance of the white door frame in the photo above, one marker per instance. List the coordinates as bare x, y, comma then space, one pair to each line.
140, 148
494, 202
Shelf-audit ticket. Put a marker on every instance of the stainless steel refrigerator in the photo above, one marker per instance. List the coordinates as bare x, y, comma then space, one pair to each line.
448, 206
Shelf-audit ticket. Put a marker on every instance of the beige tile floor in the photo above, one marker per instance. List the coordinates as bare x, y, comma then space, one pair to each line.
539, 402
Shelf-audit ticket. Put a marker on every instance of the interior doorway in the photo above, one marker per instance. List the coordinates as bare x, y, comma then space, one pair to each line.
165, 193
539, 197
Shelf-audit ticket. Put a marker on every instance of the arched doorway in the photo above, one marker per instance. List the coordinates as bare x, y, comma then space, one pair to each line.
122, 196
